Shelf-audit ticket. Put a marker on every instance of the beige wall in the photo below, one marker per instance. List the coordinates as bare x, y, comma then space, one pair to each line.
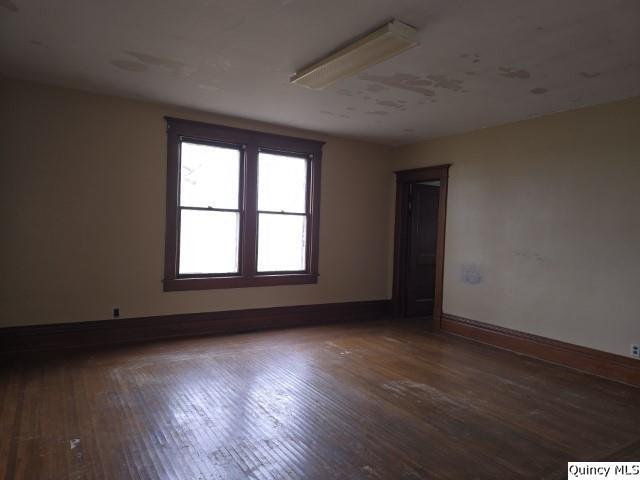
547, 212
82, 209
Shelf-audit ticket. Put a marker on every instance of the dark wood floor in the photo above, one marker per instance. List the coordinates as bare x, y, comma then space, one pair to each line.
356, 401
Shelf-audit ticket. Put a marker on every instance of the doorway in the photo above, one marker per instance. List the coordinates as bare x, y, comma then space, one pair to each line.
421, 202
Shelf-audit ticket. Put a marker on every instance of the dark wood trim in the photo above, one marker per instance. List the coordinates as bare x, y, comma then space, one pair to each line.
172, 226
442, 228
595, 362
249, 238
251, 143
126, 330
203, 283
423, 174
400, 244
315, 174
242, 136
403, 180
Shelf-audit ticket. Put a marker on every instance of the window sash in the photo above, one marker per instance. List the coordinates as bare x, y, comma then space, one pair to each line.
307, 160
239, 246
211, 143
306, 245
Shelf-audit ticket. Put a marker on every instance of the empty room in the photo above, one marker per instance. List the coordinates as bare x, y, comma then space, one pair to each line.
296, 239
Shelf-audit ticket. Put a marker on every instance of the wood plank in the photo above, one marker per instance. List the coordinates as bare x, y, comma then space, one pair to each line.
380, 399
143, 329
595, 362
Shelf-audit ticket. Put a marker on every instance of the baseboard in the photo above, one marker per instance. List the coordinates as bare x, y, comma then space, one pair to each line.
105, 332
603, 364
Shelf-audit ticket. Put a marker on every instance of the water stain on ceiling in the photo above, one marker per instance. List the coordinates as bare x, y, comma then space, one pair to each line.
513, 73
402, 81
129, 66
391, 104
443, 81
589, 75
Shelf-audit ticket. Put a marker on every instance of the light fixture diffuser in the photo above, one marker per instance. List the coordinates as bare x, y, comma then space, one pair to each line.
395, 37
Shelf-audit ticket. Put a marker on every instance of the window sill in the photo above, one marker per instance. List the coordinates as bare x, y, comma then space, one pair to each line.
210, 283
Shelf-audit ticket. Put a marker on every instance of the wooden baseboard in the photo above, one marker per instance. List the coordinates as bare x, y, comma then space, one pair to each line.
603, 364
105, 332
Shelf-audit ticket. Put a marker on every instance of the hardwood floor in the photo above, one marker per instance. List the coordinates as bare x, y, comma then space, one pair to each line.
368, 400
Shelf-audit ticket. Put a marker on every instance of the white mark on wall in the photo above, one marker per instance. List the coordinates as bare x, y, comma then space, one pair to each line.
471, 274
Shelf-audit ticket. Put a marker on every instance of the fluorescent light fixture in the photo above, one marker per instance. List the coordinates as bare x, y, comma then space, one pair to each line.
395, 37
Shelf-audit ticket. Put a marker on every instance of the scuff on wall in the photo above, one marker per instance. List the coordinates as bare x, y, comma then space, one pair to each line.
529, 255
471, 274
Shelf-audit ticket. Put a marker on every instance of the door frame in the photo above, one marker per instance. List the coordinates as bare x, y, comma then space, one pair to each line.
404, 178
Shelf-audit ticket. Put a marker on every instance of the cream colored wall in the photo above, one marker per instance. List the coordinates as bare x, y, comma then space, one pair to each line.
547, 213
82, 208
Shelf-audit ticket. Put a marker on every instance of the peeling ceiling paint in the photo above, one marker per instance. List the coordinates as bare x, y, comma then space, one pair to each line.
478, 63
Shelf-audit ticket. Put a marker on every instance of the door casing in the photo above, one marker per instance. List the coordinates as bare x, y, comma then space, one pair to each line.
404, 178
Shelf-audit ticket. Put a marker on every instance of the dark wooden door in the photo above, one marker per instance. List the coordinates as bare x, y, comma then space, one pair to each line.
421, 261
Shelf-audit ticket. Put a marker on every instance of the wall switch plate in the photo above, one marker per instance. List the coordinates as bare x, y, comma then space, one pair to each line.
116, 312
635, 350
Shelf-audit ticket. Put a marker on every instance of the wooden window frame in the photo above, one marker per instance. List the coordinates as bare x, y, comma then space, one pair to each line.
250, 143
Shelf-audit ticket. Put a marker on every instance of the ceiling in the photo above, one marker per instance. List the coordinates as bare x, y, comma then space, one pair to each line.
478, 64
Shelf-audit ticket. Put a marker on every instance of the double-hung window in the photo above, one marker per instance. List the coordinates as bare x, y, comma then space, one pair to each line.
242, 208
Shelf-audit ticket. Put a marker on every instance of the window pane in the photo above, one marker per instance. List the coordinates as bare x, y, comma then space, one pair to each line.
209, 176
282, 242
208, 242
282, 183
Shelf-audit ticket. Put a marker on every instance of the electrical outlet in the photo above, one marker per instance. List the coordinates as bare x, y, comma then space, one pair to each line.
116, 312
635, 350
